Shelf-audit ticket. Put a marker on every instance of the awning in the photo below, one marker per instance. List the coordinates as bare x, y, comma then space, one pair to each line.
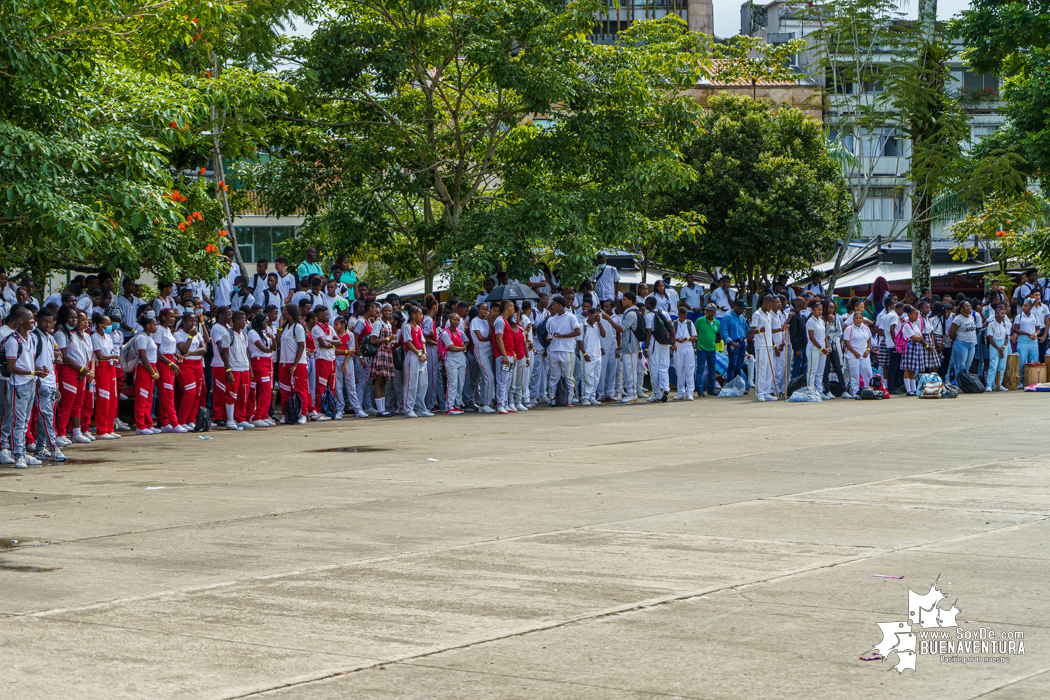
866, 276
416, 288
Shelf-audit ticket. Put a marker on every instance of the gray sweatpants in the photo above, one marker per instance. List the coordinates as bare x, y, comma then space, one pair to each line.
6, 414
456, 376
24, 397
45, 418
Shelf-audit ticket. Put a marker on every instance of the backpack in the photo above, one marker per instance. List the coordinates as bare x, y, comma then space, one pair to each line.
40, 339
399, 358
927, 377
328, 403
866, 393
931, 390
129, 356
949, 392
639, 326
900, 343
203, 423
293, 408
540, 334
969, 383
795, 384
4, 372
661, 328
561, 393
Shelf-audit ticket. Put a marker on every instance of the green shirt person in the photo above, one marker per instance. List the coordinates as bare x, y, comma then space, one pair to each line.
707, 329
309, 266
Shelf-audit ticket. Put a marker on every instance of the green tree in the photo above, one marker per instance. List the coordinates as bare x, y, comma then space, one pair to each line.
771, 193
1011, 228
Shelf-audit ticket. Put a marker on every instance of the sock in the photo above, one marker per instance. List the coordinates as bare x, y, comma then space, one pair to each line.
76, 432
229, 415
381, 404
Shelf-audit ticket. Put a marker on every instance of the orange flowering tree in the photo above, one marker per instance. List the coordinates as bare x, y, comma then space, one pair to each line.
1012, 228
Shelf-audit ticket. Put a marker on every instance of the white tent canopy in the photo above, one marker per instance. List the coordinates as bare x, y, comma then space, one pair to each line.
416, 288
866, 276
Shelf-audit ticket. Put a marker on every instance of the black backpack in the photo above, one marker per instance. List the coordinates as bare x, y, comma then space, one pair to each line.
399, 358
203, 423
639, 325
540, 334
661, 328
293, 409
561, 393
970, 383
795, 384
866, 393
4, 372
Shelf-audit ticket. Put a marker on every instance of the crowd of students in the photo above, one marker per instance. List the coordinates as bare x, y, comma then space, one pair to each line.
218, 349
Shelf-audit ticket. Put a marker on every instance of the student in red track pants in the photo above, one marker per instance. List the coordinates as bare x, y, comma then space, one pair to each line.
261, 345
168, 369
234, 349
325, 342
190, 344
105, 378
218, 372
292, 374
74, 372
145, 376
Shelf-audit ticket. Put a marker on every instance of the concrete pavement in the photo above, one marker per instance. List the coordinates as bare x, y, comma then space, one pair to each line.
715, 549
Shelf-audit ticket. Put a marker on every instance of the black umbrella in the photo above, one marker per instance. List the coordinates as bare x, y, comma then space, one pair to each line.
512, 291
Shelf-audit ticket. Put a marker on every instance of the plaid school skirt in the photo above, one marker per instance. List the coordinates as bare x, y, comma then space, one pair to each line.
383, 362
883, 353
933, 351
914, 358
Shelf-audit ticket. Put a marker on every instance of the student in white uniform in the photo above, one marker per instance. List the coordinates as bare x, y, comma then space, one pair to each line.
817, 349
503, 355
452, 349
234, 353
345, 377
659, 352
630, 348
530, 352
723, 297
20, 354
999, 329
610, 352
190, 343
780, 335
856, 340
606, 280
47, 446
593, 332
684, 355
562, 331
261, 346
484, 379
762, 331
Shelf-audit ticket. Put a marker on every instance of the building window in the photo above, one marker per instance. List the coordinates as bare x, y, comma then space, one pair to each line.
980, 81
883, 204
261, 242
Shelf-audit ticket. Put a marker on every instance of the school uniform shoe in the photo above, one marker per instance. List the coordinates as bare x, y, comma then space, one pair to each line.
167, 429
521, 407
260, 424
232, 425
427, 414
83, 439
89, 436
489, 409
246, 425
155, 431
502, 411
689, 398
680, 397
6, 457
411, 414
553, 404
121, 425
361, 414
1003, 388
595, 403
986, 389
57, 456
338, 415
652, 399
663, 398
20, 464
383, 414
511, 409
301, 421
108, 436
62, 441
31, 447
453, 412
144, 431
32, 461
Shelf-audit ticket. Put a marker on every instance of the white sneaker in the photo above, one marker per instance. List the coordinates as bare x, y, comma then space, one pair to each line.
679, 397
179, 429
82, 439
361, 414
338, 415
33, 461
232, 425
689, 398
411, 414
260, 424
270, 422
20, 464
1003, 388
987, 389
155, 431
486, 409
313, 415
521, 407
302, 420
61, 441
652, 399
167, 429
57, 456
31, 447
108, 436
121, 425
246, 425
427, 414
89, 436
322, 418
144, 431
6, 457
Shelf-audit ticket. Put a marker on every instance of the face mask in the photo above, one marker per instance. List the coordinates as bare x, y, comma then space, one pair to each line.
602, 267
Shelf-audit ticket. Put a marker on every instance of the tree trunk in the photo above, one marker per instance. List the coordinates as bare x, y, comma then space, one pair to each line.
645, 263
220, 176
927, 18
922, 246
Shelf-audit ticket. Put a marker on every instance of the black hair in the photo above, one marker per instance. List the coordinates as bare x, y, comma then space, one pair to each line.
558, 299
258, 323
96, 319
630, 296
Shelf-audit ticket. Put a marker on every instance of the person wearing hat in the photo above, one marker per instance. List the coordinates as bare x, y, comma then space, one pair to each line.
708, 330
684, 354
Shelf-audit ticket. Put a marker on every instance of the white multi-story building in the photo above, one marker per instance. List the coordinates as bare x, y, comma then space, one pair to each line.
881, 158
